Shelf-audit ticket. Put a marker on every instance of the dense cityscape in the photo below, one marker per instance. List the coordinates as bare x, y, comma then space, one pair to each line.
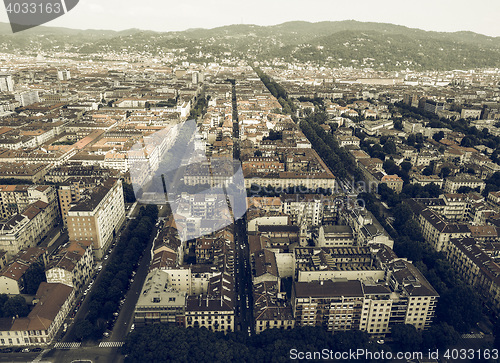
152, 202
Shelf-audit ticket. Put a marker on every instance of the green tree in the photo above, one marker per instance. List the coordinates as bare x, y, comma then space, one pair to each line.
83, 330
406, 337
389, 147
445, 172
390, 167
16, 306
402, 214
439, 336
459, 306
3, 299
438, 136
428, 170
33, 277
406, 166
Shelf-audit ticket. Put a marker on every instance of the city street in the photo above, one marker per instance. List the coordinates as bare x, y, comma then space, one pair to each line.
244, 277
91, 350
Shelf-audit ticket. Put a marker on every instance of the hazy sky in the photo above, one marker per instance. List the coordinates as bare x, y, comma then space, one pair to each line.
480, 16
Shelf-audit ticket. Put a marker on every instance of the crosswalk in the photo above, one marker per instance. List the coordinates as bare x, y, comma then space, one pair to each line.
67, 345
111, 344
472, 336
38, 359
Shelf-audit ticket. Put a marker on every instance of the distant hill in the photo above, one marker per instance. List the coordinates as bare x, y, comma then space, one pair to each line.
332, 44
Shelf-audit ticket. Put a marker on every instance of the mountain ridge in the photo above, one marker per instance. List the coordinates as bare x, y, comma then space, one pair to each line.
334, 44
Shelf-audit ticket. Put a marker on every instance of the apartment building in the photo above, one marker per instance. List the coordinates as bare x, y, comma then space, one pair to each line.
453, 183
477, 267
71, 191
98, 216
28, 228
434, 227
345, 140
303, 208
265, 267
16, 198
394, 182
12, 276
24, 171
367, 230
336, 305
72, 266
54, 302
215, 310
26, 98
270, 309
403, 297
159, 302
6, 83
424, 180
415, 295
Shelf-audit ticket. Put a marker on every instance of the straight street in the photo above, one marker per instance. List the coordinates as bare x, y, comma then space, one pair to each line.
91, 350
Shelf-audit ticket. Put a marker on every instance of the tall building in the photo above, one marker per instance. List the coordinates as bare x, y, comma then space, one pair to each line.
63, 75
433, 106
27, 98
98, 216
71, 191
6, 83
195, 77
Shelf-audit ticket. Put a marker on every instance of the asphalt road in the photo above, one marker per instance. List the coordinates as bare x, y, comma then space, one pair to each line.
124, 321
244, 278
84, 308
93, 353
17, 357
91, 350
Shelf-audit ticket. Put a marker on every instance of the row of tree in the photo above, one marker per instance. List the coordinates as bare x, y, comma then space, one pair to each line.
277, 91
164, 343
114, 281
199, 108
336, 158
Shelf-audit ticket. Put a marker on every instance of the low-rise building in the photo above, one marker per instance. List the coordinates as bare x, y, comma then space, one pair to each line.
424, 180
453, 183
159, 302
393, 181
215, 310
12, 276
54, 302
335, 236
270, 309
72, 266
